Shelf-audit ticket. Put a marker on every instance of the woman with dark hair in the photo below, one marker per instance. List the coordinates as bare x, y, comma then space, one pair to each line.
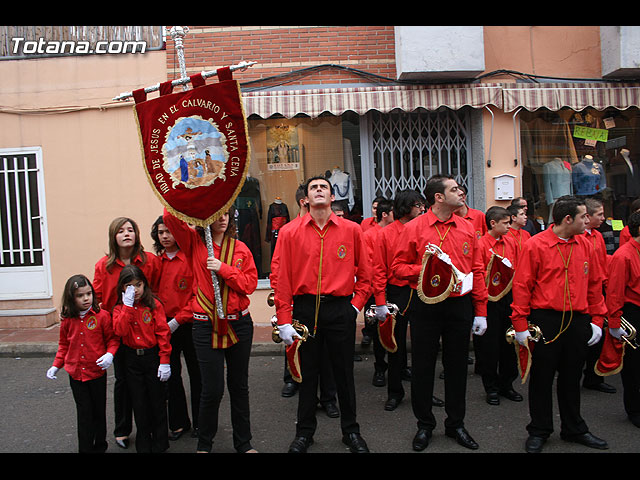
125, 248
220, 340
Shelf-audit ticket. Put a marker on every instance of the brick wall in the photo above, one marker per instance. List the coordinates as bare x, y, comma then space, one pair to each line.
282, 50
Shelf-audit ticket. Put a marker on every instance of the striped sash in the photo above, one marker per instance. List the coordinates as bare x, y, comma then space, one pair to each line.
222, 335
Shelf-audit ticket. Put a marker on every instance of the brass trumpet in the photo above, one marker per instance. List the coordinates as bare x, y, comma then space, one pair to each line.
271, 299
534, 331
302, 330
370, 313
631, 333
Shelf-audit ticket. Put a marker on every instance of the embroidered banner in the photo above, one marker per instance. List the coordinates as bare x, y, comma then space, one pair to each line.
196, 146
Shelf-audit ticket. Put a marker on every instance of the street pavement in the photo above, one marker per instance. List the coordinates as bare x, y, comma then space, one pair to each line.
38, 415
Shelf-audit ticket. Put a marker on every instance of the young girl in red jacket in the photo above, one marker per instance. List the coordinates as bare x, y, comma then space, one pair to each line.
85, 350
140, 321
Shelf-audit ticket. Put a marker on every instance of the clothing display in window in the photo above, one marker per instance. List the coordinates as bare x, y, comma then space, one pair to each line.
588, 177
556, 179
249, 207
277, 217
342, 186
631, 187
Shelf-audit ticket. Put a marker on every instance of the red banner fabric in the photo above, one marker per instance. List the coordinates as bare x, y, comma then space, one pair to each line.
196, 148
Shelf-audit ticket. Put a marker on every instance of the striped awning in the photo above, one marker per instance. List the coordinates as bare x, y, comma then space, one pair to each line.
577, 96
360, 100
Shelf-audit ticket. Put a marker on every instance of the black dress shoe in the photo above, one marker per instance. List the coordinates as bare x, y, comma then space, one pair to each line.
379, 379
601, 387
421, 440
392, 403
300, 444
436, 402
289, 389
176, 434
355, 443
511, 394
122, 442
493, 399
366, 340
534, 444
331, 410
463, 438
588, 440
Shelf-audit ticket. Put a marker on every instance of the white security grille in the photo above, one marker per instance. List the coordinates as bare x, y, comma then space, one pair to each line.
21, 239
407, 148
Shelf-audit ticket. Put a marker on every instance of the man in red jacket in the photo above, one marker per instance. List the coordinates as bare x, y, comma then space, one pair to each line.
558, 287
316, 286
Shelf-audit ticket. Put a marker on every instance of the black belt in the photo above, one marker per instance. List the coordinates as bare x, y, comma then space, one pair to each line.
142, 351
323, 298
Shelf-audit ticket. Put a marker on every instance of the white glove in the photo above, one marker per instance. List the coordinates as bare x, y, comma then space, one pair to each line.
51, 373
618, 333
287, 333
128, 296
164, 372
445, 258
595, 335
507, 262
523, 337
479, 325
381, 312
105, 361
173, 325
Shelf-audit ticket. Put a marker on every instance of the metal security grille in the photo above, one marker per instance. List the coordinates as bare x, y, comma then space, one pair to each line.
407, 148
20, 217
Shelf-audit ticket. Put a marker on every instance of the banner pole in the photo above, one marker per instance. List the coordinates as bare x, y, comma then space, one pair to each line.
177, 34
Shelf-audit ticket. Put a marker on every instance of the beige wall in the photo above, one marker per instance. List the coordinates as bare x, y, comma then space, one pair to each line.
91, 155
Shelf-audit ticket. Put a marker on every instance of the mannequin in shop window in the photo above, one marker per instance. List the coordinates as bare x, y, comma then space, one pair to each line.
631, 168
588, 177
277, 217
342, 186
557, 179
249, 212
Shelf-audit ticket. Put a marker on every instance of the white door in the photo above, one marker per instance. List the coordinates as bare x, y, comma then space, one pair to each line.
25, 271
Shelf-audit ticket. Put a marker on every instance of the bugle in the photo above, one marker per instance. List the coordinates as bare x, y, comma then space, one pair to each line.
271, 299
629, 339
301, 329
534, 331
370, 313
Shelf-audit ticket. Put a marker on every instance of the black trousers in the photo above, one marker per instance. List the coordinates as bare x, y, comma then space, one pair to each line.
336, 332
123, 410
91, 403
400, 296
149, 400
449, 320
212, 370
565, 356
496, 360
630, 374
182, 345
327, 384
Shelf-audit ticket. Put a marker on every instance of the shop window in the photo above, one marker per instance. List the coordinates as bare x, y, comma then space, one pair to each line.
588, 153
284, 154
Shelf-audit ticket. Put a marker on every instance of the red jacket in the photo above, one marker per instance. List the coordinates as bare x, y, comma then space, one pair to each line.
624, 280
105, 282
456, 237
175, 288
141, 327
521, 236
82, 342
539, 280
241, 276
383, 255
343, 253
